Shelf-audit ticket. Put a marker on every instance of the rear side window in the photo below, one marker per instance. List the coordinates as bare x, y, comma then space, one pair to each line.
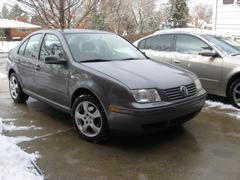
30, 47
190, 45
141, 44
159, 43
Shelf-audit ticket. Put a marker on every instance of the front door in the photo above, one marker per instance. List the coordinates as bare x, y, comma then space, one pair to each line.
207, 68
52, 79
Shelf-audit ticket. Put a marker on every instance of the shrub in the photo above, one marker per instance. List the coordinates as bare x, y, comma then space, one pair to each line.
133, 37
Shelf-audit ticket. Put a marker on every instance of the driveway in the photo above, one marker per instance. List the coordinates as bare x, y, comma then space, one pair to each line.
207, 147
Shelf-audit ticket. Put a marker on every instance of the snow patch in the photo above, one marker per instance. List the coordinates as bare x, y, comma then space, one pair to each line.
2, 75
11, 127
220, 108
214, 104
14, 162
7, 46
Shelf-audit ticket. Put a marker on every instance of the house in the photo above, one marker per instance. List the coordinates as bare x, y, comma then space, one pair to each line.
226, 17
15, 29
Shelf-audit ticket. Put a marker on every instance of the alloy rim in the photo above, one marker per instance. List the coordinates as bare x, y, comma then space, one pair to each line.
14, 87
236, 94
88, 119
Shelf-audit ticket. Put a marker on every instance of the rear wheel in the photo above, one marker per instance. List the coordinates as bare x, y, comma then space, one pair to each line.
15, 89
89, 119
234, 93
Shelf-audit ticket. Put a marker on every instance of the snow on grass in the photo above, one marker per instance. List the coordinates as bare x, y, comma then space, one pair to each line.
7, 46
14, 162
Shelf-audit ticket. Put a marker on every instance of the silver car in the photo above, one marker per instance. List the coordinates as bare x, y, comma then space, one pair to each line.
214, 58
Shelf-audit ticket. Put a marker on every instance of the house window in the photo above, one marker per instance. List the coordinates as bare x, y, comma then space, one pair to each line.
24, 30
228, 1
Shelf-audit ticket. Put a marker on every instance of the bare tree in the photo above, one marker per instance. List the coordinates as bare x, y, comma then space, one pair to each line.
61, 13
201, 13
116, 14
143, 12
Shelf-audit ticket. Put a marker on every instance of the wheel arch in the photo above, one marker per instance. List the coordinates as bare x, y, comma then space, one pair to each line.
10, 72
232, 79
84, 91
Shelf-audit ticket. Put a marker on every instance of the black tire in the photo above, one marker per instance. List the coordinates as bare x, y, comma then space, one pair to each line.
15, 89
89, 119
234, 93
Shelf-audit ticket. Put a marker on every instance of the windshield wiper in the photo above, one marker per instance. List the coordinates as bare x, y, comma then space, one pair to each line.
95, 60
130, 59
236, 54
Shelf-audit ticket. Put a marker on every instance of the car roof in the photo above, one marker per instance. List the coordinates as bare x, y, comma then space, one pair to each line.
193, 31
188, 31
70, 31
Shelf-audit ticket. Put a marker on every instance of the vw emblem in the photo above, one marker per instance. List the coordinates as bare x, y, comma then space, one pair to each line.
184, 91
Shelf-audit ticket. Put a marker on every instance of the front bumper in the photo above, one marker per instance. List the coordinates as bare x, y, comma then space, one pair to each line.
154, 119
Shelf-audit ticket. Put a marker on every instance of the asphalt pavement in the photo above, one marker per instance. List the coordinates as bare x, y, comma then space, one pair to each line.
207, 147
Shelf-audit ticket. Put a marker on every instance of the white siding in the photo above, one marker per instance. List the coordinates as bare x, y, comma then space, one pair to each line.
229, 15
226, 17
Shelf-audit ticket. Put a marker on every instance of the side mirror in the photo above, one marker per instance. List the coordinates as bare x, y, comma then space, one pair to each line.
53, 60
207, 52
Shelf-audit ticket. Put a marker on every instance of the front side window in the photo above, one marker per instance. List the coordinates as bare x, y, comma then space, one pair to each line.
159, 43
51, 46
32, 46
190, 45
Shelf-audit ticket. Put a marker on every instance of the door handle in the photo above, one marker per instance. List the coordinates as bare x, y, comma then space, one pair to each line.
176, 61
18, 60
38, 67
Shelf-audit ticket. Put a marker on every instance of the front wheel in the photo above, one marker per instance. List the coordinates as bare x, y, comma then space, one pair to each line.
15, 89
89, 119
234, 93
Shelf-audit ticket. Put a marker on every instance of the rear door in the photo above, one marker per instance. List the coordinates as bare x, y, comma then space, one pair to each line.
52, 79
207, 68
26, 59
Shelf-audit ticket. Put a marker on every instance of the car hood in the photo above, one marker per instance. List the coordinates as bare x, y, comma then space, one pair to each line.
144, 73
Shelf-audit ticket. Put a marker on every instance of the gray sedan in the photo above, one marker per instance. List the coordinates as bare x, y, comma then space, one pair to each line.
103, 81
214, 58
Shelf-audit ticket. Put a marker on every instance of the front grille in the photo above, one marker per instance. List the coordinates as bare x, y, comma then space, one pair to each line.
175, 93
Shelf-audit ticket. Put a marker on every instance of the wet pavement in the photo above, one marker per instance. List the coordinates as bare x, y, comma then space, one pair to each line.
207, 147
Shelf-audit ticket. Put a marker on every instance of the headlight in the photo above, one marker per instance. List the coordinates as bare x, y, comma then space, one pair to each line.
198, 85
146, 95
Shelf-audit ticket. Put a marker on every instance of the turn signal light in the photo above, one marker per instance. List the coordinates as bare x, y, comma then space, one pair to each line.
114, 109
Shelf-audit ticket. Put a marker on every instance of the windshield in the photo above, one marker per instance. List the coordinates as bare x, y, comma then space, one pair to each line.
225, 44
101, 47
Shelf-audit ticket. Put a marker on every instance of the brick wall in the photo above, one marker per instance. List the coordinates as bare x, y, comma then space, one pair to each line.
16, 33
